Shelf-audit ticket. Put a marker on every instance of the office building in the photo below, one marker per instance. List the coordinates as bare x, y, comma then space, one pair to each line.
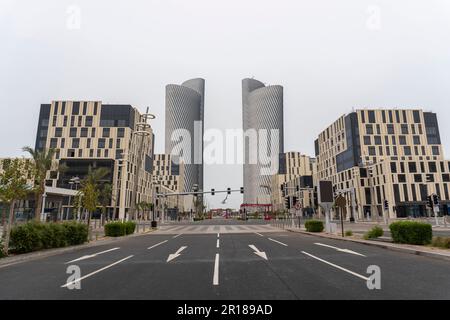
184, 128
91, 134
262, 115
385, 162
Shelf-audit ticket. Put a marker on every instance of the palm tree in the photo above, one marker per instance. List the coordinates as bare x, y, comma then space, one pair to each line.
42, 161
90, 190
13, 187
105, 198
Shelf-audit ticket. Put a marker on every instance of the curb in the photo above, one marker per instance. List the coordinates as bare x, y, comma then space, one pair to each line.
31, 256
387, 246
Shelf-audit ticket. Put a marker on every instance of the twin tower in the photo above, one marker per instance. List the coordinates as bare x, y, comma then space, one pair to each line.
262, 113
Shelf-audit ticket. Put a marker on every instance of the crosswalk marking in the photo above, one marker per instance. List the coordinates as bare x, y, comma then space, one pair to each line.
213, 229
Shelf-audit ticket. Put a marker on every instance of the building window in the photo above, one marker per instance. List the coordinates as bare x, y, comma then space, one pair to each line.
93, 133
54, 121
120, 132
418, 178
446, 177
412, 167
110, 143
371, 116
84, 132
416, 116
405, 129
75, 143
367, 140
73, 132
432, 166
72, 121
101, 143
372, 151
402, 140
84, 108
58, 132
118, 143
416, 140
53, 143
377, 140
63, 108
65, 121
80, 120
88, 121
63, 143
91, 153
435, 150
407, 151
99, 153
88, 143
76, 107
71, 153
106, 132
369, 129
80, 153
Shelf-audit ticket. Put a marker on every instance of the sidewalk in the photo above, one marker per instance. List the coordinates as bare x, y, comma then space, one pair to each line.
406, 248
15, 259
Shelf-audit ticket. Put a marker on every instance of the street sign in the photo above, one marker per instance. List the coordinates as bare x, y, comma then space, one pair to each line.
325, 192
341, 202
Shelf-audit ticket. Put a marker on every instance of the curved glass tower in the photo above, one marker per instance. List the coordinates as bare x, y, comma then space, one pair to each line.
262, 115
184, 127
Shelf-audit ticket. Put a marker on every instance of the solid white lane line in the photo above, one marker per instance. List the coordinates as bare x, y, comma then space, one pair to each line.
216, 271
217, 245
97, 271
259, 234
155, 245
92, 255
339, 249
176, 236
283, 244
336, 266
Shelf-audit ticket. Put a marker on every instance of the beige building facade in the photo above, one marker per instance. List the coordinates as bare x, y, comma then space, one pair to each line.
385, 162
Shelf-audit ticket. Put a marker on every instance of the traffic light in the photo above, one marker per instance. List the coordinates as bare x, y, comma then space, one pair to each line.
228, 190
287, 203
212, 192
386, 205
430, 201
242, 190
283, 190
435, 199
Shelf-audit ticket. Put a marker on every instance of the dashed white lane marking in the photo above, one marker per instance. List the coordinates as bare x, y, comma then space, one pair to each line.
218, 243
176, 236
259, 234
218, 235
92, 255
95, 272
216, 271
339, 249
155, 245
336, 266
283, 244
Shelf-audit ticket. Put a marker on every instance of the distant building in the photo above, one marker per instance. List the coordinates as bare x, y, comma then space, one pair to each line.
262, 112
294, 169
378, 157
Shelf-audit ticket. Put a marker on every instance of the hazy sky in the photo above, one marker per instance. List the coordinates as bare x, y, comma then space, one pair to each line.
330, 56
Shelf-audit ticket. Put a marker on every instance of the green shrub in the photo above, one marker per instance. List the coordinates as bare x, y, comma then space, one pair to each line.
33, 236
441, 242
348, 233
198, 219
314, 226
373, 233
2, 253
411, 232
118, 229
130, 227
75, 233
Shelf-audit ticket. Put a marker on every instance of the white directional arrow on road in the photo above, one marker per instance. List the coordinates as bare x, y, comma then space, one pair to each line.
257, 252
92, 255
175, 255
339, 249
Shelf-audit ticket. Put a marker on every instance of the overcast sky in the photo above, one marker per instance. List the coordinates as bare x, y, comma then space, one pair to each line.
330, 56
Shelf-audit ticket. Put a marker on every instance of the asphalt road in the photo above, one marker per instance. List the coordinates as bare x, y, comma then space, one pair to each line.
225, 266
